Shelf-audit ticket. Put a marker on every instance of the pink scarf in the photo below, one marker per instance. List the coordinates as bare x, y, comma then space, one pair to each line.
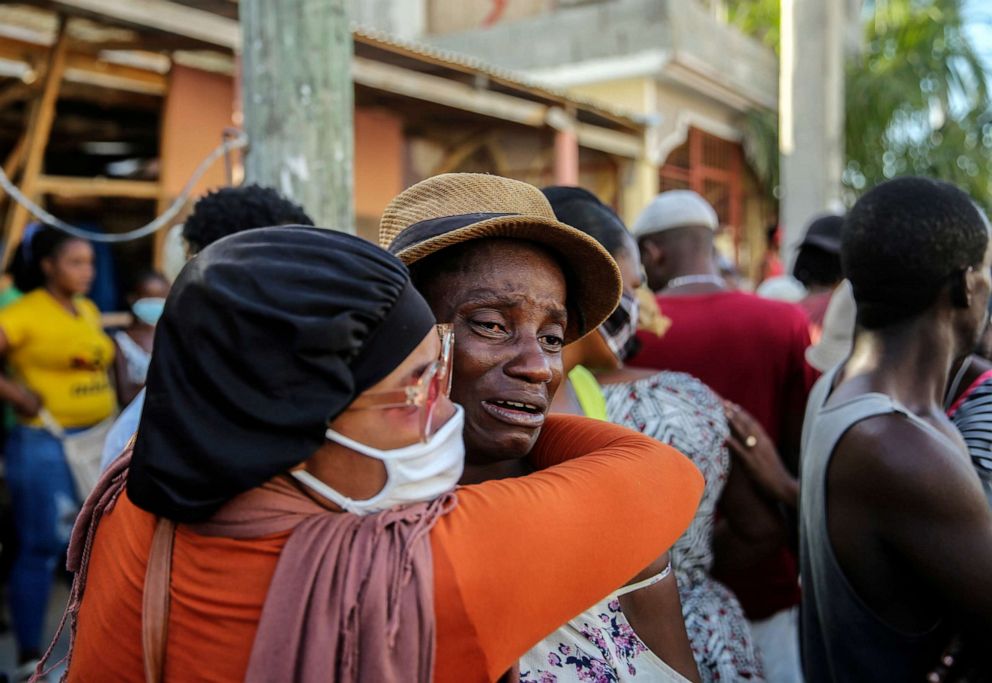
352, 598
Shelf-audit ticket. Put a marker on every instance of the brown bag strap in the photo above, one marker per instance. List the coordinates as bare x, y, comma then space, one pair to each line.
155, 600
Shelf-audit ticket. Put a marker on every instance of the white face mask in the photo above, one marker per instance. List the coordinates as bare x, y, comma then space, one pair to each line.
414, 474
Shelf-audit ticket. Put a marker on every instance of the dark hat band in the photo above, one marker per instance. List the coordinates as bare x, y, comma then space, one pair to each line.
435, 227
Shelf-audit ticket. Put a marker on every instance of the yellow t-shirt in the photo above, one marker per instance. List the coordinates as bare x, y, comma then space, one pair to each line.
63, 358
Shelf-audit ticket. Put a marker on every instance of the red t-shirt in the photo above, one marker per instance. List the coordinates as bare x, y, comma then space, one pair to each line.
751, 351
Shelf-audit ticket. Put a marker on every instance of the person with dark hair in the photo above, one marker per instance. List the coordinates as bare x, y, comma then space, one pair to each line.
895, 533
817, 267
288, 511
679, 410
146, 299
229, 210
750, 351
59, 357
220, 213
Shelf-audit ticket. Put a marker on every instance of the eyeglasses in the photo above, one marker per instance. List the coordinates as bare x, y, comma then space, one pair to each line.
434, 382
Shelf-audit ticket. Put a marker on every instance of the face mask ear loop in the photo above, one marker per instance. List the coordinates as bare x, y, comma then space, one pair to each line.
357, 446
364, 449
304, 477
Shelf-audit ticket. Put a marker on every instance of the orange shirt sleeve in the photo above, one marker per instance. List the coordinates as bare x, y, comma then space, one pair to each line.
528, 554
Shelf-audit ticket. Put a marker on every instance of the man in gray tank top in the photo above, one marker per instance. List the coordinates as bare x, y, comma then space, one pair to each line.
895, 533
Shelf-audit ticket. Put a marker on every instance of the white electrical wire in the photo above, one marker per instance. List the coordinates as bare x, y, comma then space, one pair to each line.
238, 142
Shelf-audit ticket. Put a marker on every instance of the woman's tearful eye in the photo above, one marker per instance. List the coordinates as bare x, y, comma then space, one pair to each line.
489, 327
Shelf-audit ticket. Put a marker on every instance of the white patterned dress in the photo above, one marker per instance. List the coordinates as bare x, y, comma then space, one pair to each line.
679, 410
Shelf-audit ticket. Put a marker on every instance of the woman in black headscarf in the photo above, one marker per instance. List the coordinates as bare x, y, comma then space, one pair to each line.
298, 376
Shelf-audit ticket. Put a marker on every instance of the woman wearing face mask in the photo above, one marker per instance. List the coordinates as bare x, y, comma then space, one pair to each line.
288, 514
516, 284
679, 410
59, 357
134, 344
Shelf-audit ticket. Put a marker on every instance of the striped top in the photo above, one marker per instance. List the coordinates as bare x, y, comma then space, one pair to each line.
972, 415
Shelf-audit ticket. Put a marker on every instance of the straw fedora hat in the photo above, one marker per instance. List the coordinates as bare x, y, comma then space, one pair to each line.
454, 208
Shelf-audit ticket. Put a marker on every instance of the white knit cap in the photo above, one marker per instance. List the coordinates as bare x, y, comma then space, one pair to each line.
675, 209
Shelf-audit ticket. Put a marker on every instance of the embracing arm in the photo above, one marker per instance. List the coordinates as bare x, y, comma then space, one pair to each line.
528, 554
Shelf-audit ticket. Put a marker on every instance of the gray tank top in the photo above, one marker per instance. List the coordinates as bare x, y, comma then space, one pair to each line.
842, 639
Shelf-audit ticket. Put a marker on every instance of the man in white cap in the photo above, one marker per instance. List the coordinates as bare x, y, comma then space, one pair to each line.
750, 351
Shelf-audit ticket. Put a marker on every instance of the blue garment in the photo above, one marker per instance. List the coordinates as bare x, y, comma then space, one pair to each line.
122, 430
45, 504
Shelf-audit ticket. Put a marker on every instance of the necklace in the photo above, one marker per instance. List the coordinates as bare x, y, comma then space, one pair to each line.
686, 280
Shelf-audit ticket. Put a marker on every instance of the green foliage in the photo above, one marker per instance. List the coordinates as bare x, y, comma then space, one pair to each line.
917, 97
757, 18
760, 142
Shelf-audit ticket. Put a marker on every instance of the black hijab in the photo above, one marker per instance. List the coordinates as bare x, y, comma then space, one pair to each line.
266, 336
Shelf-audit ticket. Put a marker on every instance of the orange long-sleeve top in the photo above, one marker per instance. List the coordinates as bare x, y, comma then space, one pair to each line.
513, 561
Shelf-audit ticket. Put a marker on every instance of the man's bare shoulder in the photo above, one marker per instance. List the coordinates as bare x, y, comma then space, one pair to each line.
891, 459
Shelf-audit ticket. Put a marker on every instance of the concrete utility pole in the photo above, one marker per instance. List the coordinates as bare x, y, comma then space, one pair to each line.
298, 103
811, 112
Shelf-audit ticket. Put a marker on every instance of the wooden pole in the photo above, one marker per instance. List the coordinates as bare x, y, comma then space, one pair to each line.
38, 131
13, 163
298, 103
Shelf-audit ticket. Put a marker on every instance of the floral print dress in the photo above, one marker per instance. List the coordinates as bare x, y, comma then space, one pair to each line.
600, 645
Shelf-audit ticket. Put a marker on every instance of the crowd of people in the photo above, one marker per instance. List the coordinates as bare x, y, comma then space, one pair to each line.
514, 441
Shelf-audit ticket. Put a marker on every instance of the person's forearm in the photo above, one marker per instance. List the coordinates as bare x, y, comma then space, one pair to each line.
734, 553
788, 492
10, 391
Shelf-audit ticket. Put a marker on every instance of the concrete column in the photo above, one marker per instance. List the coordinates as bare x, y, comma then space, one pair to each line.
811, 111
641, 184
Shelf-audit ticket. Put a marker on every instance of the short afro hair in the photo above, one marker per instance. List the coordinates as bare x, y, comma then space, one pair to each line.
234, 209
903, 242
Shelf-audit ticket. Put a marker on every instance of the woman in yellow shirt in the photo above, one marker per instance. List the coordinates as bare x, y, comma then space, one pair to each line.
59, 358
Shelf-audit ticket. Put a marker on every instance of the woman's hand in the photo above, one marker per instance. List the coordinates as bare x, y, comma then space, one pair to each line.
26, 403
754, 448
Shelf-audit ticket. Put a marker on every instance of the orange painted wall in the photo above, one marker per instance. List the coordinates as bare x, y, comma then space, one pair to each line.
379, 155
198, 107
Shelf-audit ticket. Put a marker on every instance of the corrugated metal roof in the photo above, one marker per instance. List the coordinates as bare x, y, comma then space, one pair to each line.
505, 77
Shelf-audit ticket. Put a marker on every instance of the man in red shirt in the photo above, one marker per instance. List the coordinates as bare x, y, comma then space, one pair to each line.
750, 351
